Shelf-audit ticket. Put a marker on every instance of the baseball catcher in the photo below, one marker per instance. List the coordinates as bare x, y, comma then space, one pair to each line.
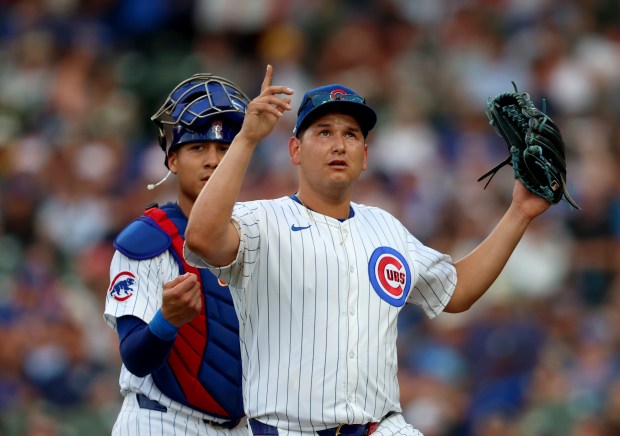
535, 145
177, 326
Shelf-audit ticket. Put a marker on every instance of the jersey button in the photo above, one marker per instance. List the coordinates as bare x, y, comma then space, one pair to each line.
352, 269
351, 355
352, 312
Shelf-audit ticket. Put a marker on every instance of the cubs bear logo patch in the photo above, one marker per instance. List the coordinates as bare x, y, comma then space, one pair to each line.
389, 275
122, 287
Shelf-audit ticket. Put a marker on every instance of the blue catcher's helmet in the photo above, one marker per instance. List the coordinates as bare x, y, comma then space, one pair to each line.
199, 109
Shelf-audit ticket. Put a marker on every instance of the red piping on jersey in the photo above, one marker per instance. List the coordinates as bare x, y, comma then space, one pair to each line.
185, 358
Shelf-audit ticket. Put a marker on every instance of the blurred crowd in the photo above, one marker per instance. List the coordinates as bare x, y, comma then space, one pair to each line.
79, 80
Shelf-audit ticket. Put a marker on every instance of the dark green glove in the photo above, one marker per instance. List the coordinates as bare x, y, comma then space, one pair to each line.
535, 145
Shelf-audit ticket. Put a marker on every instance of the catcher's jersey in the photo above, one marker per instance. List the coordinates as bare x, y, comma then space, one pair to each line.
141, 297
317, 301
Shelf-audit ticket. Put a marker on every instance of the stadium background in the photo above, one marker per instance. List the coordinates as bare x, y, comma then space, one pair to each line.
538, 355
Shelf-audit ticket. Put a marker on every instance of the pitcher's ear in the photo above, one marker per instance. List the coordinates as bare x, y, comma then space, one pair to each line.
294, 149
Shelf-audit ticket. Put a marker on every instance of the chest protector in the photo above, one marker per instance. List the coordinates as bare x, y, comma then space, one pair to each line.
203, 369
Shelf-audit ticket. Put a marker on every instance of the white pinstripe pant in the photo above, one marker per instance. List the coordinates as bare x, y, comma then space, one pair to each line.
135, 421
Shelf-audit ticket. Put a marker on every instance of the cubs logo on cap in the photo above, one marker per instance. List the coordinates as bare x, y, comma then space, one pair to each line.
390, 275
337, 94
334, 98
216, 128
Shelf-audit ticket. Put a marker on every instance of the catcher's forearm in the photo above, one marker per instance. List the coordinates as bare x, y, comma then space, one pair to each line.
210, 233
479, 269
141, 350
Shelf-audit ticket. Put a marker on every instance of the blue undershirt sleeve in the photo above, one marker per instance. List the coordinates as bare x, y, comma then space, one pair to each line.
145, 347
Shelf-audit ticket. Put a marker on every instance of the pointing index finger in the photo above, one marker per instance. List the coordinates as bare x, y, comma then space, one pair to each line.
268, 79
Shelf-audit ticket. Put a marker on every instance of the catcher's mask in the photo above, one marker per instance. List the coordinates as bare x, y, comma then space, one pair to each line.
334, 98
200, 109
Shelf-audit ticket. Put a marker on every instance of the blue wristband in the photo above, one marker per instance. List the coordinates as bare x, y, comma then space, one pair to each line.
162, 328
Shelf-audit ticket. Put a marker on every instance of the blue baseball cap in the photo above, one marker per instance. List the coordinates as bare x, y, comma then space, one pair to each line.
334, 98
214, 129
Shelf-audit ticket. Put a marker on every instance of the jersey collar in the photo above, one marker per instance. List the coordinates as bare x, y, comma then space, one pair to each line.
351, 210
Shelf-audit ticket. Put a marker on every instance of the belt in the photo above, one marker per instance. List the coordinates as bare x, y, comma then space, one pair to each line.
259, 428
345, 429
146, 403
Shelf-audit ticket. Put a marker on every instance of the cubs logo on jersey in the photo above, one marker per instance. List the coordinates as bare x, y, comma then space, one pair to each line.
389, 275
123, 286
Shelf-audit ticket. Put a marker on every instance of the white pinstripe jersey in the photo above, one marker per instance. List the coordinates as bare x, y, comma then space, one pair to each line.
317, 301
143, 301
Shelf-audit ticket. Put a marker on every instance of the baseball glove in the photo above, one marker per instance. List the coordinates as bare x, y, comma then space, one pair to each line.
535, 145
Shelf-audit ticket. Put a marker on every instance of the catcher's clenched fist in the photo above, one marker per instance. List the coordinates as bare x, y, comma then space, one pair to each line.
181, 299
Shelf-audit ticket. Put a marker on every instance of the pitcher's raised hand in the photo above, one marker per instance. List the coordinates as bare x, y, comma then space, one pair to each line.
265, 110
